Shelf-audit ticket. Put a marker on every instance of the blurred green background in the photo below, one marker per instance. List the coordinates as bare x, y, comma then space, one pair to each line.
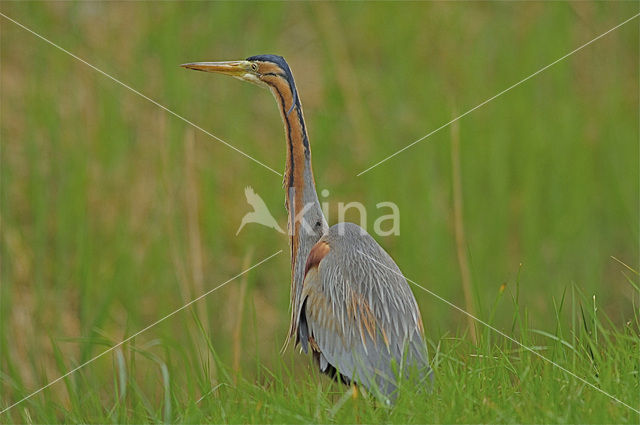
115, 213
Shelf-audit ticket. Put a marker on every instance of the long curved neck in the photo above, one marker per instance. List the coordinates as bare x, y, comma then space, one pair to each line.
298, 182
306, 221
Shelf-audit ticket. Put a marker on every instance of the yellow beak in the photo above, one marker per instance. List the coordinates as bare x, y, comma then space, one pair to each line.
233, 68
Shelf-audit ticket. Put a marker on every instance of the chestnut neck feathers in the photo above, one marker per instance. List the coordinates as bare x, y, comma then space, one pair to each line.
306, 223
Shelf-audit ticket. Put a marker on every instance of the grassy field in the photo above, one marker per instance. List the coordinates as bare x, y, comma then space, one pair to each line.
115, 213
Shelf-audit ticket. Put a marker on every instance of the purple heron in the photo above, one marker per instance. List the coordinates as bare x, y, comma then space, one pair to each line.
350, 304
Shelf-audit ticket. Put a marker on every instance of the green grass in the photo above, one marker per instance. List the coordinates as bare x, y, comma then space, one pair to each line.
495, 381
115, 213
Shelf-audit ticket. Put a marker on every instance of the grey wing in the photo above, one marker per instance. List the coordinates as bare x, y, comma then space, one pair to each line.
360, 317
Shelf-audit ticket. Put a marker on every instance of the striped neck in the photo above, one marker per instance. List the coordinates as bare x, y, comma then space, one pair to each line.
299, 183
306, 222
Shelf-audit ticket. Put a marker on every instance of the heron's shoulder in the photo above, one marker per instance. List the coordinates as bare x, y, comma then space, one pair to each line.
346, 231
353, 251
343, 243
348, 236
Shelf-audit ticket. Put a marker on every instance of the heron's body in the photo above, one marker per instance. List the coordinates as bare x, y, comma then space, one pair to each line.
350, 304
357, 313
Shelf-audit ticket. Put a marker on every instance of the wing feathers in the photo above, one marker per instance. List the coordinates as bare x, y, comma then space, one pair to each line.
350, 304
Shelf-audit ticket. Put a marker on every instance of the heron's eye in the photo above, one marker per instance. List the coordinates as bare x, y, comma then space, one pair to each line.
254, 66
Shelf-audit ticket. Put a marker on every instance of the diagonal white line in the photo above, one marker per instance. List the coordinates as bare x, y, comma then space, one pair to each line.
140, 94
496, 96
138, 333
502, 333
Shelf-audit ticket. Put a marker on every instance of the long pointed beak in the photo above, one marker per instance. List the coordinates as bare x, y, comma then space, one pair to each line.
233, 68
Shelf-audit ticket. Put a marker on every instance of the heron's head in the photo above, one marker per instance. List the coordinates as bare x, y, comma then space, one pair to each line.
263, 70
